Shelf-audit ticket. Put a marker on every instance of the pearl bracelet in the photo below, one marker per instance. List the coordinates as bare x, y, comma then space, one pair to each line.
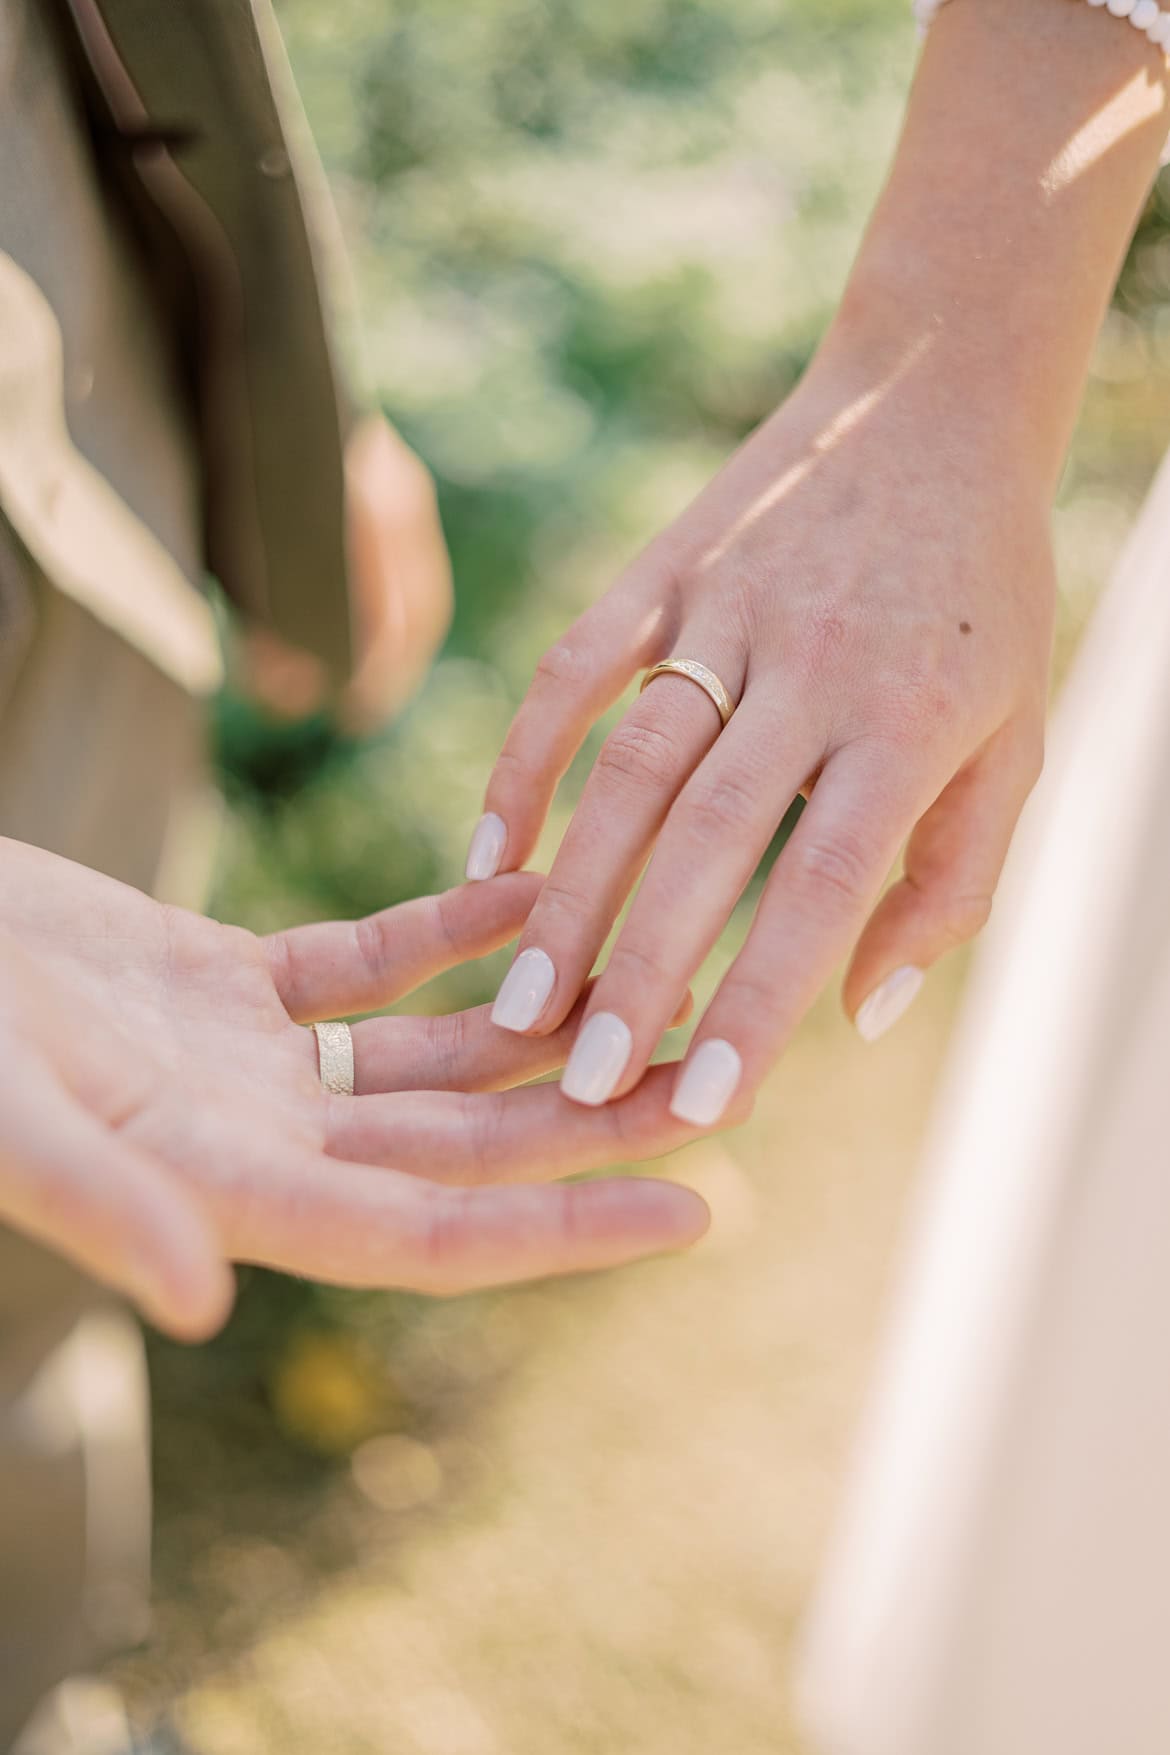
1145, 15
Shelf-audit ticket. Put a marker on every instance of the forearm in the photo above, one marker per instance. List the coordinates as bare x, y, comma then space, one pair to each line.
1031, 137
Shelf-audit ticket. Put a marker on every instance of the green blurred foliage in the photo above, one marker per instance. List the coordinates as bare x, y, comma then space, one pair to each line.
593, 243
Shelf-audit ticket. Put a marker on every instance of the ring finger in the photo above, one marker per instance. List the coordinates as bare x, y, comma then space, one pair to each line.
714, 838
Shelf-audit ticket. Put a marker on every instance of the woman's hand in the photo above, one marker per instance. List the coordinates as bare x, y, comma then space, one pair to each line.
161, 1113
874, 586
870, 578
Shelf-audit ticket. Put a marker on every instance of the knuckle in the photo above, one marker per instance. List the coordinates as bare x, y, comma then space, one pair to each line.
914, 710
514, 767
837, 867
825, 636
966, 916
447, 921
485, 1133
561, 899
446, 1041
563, 665
373, 949
645, 963
639, 754
755, 999
725, 807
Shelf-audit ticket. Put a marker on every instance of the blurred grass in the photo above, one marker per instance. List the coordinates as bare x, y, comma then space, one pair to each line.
594, 243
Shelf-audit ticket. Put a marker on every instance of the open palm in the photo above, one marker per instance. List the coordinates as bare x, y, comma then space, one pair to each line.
161, 1114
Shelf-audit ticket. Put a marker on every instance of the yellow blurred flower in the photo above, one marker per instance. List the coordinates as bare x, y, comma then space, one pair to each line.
328, 1394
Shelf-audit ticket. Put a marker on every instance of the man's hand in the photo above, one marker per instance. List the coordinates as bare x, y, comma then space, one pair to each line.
161, 1113
400, 592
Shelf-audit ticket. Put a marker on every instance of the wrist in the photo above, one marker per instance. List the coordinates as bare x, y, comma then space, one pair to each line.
948, 379
1030, 140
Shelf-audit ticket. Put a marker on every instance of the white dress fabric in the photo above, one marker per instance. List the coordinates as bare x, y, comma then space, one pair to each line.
1000, 1579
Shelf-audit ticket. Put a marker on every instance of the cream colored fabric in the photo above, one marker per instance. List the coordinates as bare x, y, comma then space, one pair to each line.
998, 1583
81, 533
101, 758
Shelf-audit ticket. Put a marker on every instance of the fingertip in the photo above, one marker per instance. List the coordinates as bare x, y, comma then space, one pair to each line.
484, 908
508, 889
190, 1306
699, 1216
180, 1277
525, 992
678, 1216
489, 842
690, 1214
894, 996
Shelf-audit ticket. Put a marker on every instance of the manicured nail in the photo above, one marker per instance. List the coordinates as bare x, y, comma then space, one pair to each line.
598, 1059
524, 991
487, 847
886, 1003
707, 1083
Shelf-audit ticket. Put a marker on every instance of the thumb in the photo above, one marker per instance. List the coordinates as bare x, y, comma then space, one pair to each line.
83, 1190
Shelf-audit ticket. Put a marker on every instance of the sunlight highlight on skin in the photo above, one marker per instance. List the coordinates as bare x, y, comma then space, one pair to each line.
649, 630
845, 422
1135, 105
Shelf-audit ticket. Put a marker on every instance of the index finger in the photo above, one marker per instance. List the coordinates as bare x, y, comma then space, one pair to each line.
576, 681
342, 966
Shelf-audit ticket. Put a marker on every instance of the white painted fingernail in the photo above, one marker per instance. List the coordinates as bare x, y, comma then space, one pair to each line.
598, 1059
707, 1083
886, 1003
524, 991
487, 847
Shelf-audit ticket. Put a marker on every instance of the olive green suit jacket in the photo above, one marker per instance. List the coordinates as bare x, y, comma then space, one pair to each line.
197, 137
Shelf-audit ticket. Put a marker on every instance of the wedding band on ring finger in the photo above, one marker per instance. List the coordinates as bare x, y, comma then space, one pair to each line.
711, 685
335, 1058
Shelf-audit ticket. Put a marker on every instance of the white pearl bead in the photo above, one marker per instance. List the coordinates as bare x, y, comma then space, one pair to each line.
1145, 15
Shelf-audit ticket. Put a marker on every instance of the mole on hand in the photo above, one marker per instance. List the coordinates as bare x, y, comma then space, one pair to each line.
964, 627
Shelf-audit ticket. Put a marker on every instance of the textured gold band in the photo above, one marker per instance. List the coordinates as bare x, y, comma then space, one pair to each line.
335, 1058
696, 673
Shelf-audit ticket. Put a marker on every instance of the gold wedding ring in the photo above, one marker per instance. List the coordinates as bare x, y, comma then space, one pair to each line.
698, 673
335, 1058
